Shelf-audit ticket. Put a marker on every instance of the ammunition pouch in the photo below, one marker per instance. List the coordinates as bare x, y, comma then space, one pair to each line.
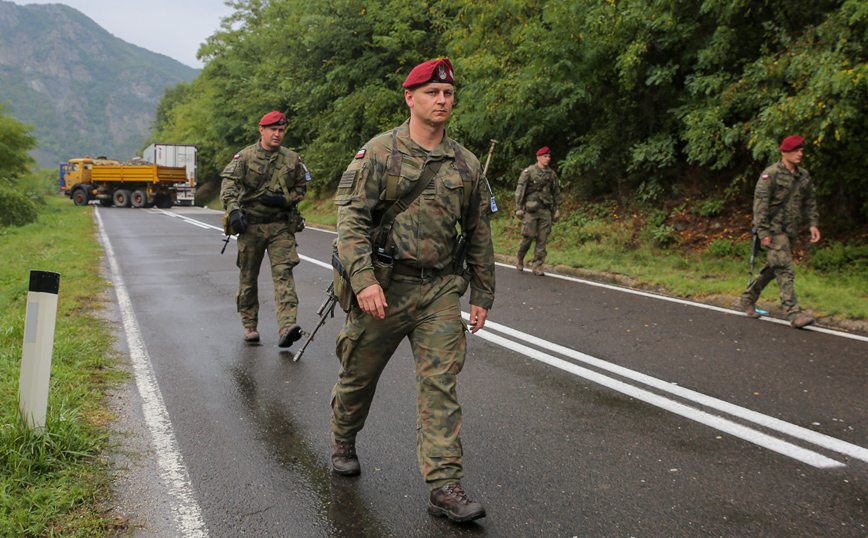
532, 206
227, 226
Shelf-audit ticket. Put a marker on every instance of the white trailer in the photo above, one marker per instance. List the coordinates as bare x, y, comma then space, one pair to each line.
176, 155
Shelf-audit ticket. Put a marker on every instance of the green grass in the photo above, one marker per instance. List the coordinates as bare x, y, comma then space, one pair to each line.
54, 483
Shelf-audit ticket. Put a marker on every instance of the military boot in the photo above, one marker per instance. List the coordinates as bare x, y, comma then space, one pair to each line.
803, 320
539, 271
288, 335
519, 265
345, 462
750, 310
251, 335
451, 501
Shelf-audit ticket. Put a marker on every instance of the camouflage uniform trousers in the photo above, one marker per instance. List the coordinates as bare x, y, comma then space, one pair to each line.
779, 264
428, 312
536, 225
252, 245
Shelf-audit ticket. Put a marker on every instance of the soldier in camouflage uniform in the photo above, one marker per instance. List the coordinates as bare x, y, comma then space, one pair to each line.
420, 299
537, 201
260, 190
784, 196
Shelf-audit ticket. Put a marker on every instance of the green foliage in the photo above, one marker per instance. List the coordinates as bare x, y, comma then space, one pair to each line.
708, 208
840, 257
656, 229
721, 248
15, 143
15, 208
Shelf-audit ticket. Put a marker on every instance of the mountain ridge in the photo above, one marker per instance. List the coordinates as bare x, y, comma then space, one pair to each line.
85, 91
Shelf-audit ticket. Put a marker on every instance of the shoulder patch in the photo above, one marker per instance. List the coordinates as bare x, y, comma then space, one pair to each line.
361, 153
237, 156
526, 170
765, 176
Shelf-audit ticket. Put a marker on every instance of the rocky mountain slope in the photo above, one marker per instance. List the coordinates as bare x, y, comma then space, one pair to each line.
83, 90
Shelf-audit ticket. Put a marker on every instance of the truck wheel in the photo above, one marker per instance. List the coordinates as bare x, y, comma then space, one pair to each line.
121, 198
139, 199
106, 201
80, 197
163, 201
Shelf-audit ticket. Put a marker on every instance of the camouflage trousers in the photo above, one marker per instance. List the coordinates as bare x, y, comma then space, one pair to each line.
252, 245
428, 313
779, 264
537, 225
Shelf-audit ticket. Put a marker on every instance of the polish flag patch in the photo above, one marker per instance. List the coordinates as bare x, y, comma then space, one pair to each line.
765, 176
361, 153
236, 157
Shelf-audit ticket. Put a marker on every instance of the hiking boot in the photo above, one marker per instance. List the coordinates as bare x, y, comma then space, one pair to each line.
520, 265
250, 335
451, 501
803, 320
539, 272
289, 335
750, 311
345, 462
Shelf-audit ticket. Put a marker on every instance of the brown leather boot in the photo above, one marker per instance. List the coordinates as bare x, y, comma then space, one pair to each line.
451, 501
345, 462
803, 320
520, 265
288, 335
250, 335
750, 311
539, 272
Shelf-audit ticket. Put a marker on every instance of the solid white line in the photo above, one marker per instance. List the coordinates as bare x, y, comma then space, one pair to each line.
727, 426
695, 304
760, 419
188, 516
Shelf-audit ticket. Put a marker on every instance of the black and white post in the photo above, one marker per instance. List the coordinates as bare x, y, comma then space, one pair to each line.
38, 343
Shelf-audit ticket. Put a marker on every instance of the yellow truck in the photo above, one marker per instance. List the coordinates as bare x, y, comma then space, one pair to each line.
124, 185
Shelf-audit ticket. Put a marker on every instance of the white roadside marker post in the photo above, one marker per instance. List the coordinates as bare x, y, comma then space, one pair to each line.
38, 343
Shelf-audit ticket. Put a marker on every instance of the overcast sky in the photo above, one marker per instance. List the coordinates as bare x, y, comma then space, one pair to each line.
175, 28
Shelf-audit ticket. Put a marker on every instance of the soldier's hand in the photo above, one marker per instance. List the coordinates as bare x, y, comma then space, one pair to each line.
557, 216
519, 213
372, 301
815, 234
237, 220
273, 200
478, 315
766, 241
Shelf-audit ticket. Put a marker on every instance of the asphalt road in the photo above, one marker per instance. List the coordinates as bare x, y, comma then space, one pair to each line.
589, 411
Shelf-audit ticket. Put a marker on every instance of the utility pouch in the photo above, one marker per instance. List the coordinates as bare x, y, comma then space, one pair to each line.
343, 290
382, 272
532, 206
296, 221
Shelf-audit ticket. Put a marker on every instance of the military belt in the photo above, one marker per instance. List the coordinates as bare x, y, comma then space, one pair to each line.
267, 219
405, 269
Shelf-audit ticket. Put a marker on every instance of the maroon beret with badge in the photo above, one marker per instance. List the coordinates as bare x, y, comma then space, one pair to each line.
273, 118
430, 71
792, 143
543, 150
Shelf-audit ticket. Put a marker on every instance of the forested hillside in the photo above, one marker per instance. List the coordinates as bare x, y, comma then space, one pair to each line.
644, 100
83, 90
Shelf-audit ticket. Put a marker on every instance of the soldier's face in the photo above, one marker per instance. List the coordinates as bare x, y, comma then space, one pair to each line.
272, 136
793, 157
431, 103
544, 160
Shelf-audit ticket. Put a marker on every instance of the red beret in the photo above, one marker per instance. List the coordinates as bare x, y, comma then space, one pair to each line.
273, 118
792, 143
430, 71
543, 150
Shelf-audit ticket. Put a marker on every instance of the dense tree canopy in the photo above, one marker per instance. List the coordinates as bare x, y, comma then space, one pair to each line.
637, 98
15, 143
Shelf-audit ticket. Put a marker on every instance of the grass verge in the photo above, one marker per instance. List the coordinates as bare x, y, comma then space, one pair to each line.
55, 484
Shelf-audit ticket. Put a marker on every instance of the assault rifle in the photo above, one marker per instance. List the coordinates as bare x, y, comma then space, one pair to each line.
754, 249
326, 309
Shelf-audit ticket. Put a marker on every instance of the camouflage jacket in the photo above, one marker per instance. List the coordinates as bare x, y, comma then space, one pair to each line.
425, 233
782, 199
255, 171
539, 185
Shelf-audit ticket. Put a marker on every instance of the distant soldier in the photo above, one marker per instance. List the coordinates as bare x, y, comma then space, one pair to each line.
261, 187
408, 278
537, 201
784, 196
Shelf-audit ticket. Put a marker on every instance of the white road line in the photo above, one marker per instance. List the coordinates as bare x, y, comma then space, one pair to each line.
760, 419
694, 304
727, 426
188, 516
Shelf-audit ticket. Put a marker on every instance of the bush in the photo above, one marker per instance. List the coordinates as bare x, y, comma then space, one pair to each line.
15, 208
708, 208
839, 257
721, 248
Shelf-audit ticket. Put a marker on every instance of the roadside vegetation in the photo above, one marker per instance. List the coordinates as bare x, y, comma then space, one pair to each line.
55, 483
